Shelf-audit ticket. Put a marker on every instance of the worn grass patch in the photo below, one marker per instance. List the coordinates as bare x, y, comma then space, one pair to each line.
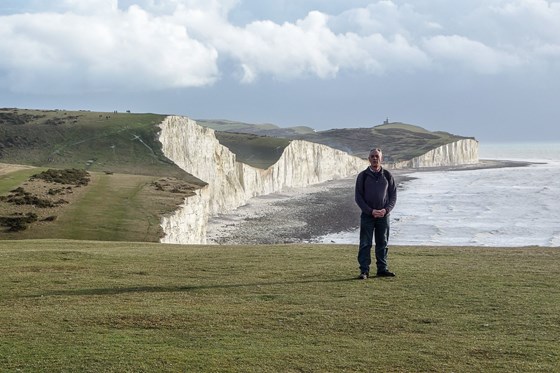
131, 307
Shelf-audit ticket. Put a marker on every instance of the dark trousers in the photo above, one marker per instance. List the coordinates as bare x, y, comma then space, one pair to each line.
371, 227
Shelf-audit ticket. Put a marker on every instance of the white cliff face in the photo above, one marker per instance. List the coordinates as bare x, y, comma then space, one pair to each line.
453, 154
230, 183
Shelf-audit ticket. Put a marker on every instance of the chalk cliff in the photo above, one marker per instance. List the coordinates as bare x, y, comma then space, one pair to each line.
230, 183
453, 154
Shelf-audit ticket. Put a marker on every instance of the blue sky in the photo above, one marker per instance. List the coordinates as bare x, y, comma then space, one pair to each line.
488, 69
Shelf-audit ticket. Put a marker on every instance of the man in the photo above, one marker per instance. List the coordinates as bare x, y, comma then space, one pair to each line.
376, 195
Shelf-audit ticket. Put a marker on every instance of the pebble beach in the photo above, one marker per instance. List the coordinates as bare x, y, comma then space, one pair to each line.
303, 215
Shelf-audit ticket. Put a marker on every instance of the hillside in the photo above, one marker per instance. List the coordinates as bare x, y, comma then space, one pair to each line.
127, 184
399, 141
100, 142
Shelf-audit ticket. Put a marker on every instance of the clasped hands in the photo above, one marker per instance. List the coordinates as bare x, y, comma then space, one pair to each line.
378, 213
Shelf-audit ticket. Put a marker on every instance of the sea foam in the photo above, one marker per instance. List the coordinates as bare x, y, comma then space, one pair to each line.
509, 207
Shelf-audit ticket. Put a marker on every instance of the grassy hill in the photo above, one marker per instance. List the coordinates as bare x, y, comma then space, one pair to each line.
399, 141
257, 151
265, 129
115, 142
131, 184
109, 207
69, 306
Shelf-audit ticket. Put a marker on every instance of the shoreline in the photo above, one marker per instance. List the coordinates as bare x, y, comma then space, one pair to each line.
303, 215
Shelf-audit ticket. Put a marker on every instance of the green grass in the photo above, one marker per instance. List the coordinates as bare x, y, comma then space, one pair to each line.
115, 142
69, 306
14, 179
112, 207
257, 151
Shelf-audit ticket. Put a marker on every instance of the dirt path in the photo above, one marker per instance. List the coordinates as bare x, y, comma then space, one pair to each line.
6, 168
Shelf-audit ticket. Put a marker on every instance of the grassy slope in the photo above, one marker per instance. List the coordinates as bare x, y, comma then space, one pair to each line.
257, 151
116, 207
124, 157
115, 142
399, 141
118, 307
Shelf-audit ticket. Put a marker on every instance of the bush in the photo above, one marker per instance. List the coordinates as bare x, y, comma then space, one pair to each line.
68, 176
20, 197
18, 222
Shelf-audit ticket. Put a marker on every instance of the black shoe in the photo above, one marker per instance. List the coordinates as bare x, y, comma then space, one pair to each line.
385, 274
363, 276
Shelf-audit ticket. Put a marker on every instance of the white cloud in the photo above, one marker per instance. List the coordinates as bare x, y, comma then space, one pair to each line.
473, 55
89, 7
126, 45
307, 47
121, 50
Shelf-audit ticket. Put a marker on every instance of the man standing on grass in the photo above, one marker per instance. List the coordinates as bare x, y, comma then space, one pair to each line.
376, 195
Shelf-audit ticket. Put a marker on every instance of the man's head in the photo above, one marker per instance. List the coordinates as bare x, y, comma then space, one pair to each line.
375, 158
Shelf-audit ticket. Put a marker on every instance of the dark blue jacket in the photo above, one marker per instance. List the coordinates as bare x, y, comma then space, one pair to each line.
375, 191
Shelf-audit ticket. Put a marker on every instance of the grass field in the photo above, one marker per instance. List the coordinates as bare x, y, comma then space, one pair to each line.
69, 306
112, 207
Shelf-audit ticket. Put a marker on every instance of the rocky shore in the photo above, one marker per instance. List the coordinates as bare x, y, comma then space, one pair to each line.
302, 215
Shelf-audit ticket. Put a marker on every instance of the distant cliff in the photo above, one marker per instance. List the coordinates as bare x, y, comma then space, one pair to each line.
457, 153
231, 184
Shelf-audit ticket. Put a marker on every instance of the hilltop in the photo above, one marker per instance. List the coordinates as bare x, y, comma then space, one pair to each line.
70, 306
399, 141
103, 142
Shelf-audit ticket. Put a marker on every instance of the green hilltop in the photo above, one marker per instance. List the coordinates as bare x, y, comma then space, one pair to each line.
103, 142
399, 141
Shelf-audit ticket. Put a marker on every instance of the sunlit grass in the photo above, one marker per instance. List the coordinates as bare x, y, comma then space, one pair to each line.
99, 306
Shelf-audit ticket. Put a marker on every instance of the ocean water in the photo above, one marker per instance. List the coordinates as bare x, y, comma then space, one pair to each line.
506, 207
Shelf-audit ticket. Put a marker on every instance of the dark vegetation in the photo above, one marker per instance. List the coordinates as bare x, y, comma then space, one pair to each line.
19, 221
70, 176
19, 196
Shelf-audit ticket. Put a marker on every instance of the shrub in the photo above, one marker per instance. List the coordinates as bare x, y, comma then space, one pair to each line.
68, 176
18, 222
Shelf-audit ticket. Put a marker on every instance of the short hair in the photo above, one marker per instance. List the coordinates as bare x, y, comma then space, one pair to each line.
376, 150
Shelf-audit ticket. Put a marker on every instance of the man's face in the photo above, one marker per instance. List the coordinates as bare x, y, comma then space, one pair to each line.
375, 158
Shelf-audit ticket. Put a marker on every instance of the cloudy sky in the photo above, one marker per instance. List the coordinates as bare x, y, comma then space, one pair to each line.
483, 68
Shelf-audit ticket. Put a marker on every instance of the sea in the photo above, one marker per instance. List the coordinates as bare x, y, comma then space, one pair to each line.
497, 207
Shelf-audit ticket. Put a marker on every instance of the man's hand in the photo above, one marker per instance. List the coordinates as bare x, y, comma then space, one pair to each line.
378, 213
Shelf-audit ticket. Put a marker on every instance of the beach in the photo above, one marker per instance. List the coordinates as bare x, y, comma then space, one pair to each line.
308, 214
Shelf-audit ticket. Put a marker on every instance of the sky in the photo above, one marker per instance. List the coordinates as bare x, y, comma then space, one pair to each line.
489, 69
